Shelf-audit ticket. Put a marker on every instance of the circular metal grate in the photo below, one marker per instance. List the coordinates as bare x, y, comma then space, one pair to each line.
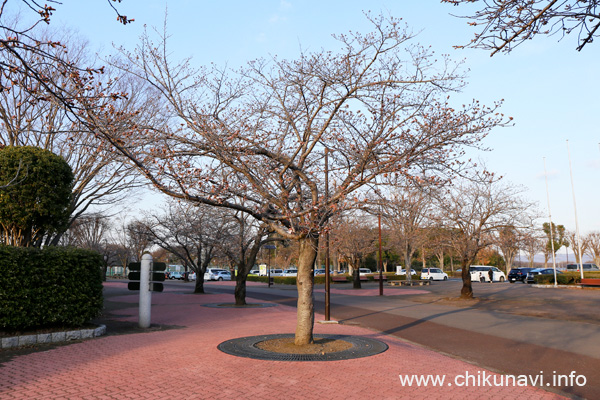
245, 347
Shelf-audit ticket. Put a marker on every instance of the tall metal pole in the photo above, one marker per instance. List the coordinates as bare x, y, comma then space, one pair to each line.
327, 281
550, 219
380, 263
575, 208
269, 269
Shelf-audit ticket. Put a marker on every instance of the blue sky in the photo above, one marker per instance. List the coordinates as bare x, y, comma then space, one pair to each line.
550, 89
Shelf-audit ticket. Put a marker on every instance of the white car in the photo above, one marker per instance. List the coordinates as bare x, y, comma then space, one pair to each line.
434, 274
481, 273
403, 272
364, 271
213, 274
290, 272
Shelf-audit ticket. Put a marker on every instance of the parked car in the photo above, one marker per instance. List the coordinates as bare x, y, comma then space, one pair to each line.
518, 274
276, 272
192, 276
223, 276
587, 267
290, 272
364, 271
434, 274
175, 275
212, 274
540, 271
403, 272
481, 273
254, 272
320, 271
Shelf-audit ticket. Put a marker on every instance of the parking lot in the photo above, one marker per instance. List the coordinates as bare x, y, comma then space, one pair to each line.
571, 304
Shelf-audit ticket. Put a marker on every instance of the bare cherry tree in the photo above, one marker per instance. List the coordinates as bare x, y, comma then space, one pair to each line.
241, 247
354, 237
253, 140
593, 249
475, 210
405, 213
192, 232
533, 243
439, 242
508, 240
577, 245
503, 25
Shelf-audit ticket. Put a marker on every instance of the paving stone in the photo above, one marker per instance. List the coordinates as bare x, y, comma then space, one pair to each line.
99, 331
10, 342
44, 338
87, 333
58, 337
72, 335
27, 340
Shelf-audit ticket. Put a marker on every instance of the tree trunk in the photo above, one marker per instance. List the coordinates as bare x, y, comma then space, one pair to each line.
467, 289
240, 288
356, 279
199, 287
407, 263
304, 283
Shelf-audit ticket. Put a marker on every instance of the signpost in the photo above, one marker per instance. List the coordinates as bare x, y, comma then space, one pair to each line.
146, 277
269, 247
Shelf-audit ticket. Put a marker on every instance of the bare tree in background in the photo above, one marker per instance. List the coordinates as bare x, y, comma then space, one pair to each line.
533, 243
571, 237
503, 25
192, 232
405, 213
593, 240
508, 240
476, 209
246, 238
353, 238
439, 242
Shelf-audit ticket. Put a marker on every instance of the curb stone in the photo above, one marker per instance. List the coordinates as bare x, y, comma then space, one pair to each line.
55, 337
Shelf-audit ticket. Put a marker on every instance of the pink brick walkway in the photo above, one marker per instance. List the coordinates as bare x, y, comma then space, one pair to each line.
186, 364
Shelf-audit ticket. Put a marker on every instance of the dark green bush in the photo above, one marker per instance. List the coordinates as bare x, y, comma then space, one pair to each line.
569, 278
49, 287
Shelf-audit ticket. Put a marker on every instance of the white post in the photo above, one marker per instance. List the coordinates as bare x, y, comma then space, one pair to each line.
550, 219
576, 221
145, 293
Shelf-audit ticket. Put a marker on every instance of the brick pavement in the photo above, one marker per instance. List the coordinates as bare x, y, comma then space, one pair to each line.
186, 364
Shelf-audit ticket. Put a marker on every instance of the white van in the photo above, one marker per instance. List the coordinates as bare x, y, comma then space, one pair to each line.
481, 273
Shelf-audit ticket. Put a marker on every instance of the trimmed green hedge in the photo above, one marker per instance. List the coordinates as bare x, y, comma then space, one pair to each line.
569, 278
50, 287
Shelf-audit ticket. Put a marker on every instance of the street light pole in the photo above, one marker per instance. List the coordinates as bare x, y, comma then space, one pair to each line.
327, 280
380, 264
